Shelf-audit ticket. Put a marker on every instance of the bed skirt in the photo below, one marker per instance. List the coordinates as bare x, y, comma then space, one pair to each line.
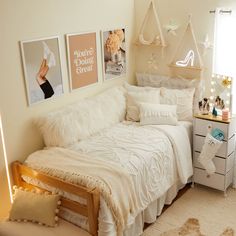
106, 223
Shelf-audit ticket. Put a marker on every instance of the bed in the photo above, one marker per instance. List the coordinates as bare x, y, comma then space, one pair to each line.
145, 166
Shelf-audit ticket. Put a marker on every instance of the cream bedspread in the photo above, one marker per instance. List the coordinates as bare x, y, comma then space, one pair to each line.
149, 154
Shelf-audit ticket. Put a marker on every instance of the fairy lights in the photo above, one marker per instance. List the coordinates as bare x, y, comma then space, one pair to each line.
5, 158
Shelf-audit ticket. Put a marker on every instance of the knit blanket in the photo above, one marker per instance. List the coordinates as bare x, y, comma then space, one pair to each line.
108, 178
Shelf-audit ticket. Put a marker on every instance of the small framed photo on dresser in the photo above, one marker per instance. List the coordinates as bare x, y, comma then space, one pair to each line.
82, 59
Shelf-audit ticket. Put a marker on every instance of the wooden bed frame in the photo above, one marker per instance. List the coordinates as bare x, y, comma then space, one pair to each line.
91, 195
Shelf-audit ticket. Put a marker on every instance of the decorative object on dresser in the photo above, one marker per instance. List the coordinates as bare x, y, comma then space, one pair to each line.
224, 157
204, 106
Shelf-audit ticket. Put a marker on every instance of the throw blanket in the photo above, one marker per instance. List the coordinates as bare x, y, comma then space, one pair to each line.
110, 179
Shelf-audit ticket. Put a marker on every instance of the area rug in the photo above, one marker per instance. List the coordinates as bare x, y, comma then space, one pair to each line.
199, 212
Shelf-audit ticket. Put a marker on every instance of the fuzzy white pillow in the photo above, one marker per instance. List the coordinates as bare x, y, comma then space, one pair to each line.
80, 120
158, 114
183, 98
134, 98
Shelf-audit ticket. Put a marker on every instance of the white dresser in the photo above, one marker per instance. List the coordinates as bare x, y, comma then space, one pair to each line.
224, 158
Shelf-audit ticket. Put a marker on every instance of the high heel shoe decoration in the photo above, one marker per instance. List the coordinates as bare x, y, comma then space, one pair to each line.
189, 59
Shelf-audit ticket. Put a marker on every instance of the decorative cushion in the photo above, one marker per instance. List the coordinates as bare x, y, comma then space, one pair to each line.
183, 98
78, 121
158, 114
133, 88
134, 98
35, 207
173, 83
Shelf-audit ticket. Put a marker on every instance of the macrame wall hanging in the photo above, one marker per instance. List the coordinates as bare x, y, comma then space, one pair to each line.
187, 61
157, 39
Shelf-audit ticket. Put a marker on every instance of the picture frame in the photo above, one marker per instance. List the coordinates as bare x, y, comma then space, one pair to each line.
41, 59
82, 59
114, 53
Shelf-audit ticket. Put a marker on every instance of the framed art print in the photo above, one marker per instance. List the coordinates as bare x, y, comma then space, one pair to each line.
42, 68
114, 53
82, 59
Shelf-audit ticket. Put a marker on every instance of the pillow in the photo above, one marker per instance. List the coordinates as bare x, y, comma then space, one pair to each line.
134, 98
35, 207
80, 120
183, 98
158, 114
133, 88
173, 83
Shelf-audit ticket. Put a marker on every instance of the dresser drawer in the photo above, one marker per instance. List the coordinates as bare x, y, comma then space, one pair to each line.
224, 151
222, 165
217, 181
201, 127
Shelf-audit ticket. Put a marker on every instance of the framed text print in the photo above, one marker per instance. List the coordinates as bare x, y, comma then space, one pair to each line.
82, 59
114, 53
42, 68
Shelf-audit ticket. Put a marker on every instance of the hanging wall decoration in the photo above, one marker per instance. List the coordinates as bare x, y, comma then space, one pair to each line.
206, 44
156, 37
42, 68
187, 61
82, 59
171, 27
152, 63
114, 53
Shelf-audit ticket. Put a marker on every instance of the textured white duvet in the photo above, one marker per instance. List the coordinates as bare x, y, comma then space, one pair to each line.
154, 156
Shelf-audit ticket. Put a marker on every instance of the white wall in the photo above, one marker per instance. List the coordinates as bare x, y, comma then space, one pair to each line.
30, 19
203, 23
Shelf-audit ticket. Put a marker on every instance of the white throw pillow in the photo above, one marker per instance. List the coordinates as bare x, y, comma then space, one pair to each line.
183, 98
158, 114
134, 98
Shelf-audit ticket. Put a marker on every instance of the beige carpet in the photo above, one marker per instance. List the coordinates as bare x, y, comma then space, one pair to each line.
213, 211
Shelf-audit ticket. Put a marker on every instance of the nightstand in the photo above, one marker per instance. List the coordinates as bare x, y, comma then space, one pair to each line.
224, 158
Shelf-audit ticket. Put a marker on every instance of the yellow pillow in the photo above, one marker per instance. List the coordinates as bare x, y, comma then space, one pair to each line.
35, 207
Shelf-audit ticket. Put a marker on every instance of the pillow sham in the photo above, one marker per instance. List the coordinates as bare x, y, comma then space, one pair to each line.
183, 98
34, 207
134, 88
134, 98
158, 81
158, 114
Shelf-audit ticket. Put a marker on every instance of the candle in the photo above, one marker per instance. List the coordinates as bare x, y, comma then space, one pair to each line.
225, 114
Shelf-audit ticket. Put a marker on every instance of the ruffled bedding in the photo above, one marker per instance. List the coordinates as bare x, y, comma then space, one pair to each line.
155, 157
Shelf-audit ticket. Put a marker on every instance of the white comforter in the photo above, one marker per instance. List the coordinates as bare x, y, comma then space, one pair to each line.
154, 156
